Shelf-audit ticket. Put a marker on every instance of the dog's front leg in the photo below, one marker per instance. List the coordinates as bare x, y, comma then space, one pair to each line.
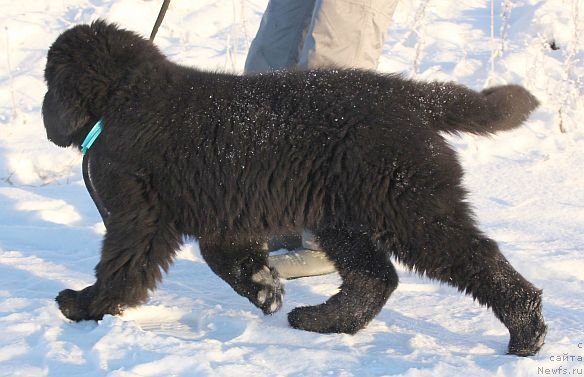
244, 266
140, 243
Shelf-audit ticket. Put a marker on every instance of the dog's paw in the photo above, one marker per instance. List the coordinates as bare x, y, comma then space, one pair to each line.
529, 339
71, 306
267, 293
318, 319
324, 318
80, 305
307, 318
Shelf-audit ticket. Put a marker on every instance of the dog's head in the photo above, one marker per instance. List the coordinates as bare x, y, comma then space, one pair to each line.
85, 66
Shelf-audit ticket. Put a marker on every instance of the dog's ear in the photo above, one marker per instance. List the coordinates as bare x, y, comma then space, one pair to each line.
62, 119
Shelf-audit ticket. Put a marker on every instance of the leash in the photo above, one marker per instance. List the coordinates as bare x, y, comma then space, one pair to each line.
159, 19
86, 170
89, 184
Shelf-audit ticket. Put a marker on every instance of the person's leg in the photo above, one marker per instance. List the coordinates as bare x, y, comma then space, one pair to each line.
346, 33
276, 46
312, 34
280, 37
349, 34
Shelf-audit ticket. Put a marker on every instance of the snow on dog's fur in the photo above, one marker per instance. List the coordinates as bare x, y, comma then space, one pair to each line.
356, 157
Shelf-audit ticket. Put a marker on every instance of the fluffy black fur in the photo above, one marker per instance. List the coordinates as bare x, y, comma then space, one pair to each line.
354, 156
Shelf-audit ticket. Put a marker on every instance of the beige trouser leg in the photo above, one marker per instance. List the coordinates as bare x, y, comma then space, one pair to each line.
346, 33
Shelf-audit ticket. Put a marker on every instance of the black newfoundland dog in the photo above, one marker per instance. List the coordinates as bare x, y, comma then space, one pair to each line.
356, 157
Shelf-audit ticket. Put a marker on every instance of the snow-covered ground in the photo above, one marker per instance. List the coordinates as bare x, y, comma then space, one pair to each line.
526, 186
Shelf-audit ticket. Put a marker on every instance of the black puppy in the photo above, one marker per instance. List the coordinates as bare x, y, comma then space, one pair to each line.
354, 156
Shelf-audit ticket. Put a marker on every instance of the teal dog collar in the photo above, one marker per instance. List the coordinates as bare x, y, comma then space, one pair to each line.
91, 136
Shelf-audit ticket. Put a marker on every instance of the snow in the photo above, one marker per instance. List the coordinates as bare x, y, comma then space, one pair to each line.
526, 186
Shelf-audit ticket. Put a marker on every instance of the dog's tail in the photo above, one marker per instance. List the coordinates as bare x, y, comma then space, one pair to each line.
453, 108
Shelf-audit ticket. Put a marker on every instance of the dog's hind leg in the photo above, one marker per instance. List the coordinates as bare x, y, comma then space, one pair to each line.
368, 279
139, 244
243, 264
464, 258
